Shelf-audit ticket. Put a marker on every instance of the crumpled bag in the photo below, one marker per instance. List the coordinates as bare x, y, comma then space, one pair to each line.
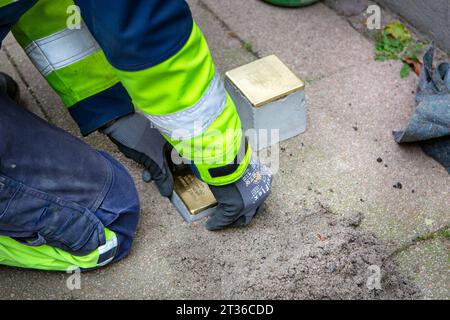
430, 124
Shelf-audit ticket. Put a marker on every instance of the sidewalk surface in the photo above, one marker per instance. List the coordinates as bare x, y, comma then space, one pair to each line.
346, 163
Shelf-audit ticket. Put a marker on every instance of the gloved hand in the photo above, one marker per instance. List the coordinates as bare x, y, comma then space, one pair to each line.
239, 202
9, 86
138, 140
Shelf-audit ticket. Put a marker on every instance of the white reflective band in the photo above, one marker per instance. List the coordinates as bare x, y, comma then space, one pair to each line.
5, 3
193, 121
104, 263
109, 245
61, 49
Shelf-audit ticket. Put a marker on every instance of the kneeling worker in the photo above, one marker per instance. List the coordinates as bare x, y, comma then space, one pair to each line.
65, 205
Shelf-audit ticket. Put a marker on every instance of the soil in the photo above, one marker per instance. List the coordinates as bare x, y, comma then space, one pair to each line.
323, 257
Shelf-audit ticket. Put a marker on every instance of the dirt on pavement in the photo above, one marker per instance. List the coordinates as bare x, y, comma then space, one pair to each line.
323, 257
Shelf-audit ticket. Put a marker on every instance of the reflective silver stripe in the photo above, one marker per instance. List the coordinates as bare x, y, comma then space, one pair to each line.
61, 49
109, 245
7, 3
193, 121
104, 263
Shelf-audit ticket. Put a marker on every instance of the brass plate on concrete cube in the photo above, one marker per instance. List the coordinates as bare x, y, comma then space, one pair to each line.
266, 80
195, 194
270, 101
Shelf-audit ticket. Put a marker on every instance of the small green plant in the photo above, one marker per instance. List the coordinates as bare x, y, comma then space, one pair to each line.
445, 233
405, 71
247, 46
395, 42
392, 41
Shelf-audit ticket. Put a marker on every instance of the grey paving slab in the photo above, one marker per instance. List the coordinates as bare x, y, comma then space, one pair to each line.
352, 108
351, 116
353, 105
9, 40
314, 41
350, 162
428, 264
173, 260
225, 47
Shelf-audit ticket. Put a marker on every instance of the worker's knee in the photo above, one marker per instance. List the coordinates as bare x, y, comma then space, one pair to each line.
119, 211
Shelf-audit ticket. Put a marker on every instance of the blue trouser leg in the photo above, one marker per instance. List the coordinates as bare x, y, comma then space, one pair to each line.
56, 191
122, 205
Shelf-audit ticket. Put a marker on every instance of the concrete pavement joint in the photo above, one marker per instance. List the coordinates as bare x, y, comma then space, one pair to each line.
356, 22
420, 239
314, 257
248, 46
310, 81
23, 78
245, 44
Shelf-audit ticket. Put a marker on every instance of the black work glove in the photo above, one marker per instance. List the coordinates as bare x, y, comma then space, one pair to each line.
9, 86
138, 140
239, 202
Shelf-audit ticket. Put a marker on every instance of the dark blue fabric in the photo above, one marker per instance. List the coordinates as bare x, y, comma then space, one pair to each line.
11, 13
139, 34
119, 211
94, 112
36, 218
56, 190
51, 183
430, 124
49, 159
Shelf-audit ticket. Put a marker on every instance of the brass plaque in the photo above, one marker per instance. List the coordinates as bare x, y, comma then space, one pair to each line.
265, 80
194, 193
